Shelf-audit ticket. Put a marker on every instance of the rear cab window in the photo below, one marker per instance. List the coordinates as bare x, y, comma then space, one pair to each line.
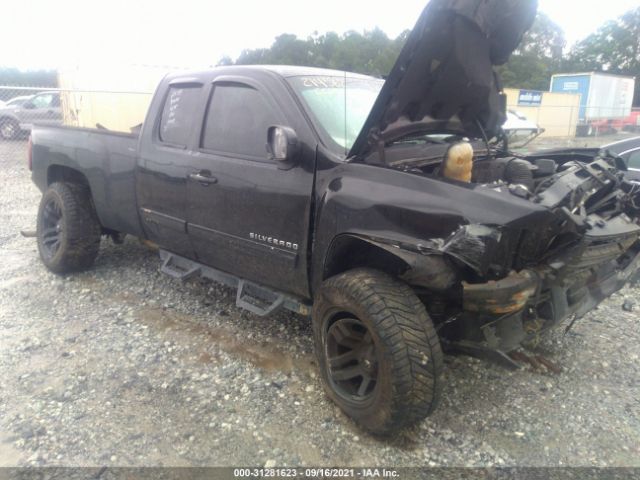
177, 119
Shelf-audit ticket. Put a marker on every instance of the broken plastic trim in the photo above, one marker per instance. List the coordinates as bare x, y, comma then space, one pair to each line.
473, 245
429, 266
508, 295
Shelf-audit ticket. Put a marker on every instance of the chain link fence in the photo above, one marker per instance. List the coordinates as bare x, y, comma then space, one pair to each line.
21, 107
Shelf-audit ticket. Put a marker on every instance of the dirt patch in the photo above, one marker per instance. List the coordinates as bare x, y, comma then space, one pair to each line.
259, 354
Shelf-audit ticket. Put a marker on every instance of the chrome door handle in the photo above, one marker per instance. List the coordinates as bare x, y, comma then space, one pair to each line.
203, 178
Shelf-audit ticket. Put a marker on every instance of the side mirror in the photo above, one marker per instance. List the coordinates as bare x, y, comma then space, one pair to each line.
282, 146
28, 105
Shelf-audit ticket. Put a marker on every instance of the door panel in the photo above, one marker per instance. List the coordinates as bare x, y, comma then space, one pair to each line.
163, 168
162, 191
253, 220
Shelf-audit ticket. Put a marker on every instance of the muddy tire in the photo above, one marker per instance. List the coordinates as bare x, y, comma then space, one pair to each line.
68, 230
378, 352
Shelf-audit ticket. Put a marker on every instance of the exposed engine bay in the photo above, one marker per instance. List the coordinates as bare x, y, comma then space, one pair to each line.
581, 188
554, 181
525, 279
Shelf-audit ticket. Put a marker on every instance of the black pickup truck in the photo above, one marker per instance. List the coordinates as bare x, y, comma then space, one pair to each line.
390, 212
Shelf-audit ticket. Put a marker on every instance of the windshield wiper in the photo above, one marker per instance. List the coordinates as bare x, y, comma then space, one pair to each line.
419, 141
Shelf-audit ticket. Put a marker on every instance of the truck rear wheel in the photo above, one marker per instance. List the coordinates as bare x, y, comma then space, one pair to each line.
68, 230
378, 351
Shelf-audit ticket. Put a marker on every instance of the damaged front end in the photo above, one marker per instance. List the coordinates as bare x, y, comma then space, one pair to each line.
515, 283
515, 245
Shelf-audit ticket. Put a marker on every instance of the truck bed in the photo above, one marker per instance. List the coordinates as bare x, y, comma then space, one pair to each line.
107, 160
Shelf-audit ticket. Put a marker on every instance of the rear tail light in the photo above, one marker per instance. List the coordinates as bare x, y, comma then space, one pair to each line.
30, 154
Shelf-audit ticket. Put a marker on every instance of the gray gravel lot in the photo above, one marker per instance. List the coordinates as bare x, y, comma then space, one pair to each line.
123, 366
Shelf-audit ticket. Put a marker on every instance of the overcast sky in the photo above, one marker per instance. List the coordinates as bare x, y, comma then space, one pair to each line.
192, 33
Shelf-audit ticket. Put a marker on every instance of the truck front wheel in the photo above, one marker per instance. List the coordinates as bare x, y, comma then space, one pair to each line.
378, 351
68, 230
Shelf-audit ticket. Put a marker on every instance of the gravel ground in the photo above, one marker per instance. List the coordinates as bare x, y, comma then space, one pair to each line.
124, 366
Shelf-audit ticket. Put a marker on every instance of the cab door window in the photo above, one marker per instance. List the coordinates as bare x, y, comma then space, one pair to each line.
237, 120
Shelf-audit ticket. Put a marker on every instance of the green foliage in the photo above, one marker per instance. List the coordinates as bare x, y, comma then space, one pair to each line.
372, 53
614, 47
537, 58
28, 78
12, 77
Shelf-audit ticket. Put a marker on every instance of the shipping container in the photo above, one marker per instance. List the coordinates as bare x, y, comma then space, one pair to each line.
604, 98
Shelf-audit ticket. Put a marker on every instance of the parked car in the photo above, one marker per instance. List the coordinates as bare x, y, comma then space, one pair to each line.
357, 203
519, 129
20, 113
629, 151
18, 101
631, 123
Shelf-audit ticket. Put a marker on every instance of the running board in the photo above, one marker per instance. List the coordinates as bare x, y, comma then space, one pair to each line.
257, 299
178, 268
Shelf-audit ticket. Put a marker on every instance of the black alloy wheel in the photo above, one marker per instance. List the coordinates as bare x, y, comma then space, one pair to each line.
68, 230
52, 228
378, 352
352, 359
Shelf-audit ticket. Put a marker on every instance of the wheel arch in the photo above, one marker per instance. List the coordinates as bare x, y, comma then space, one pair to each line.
62, 173
349, 251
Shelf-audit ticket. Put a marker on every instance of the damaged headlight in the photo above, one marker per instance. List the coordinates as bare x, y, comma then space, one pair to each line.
485, 249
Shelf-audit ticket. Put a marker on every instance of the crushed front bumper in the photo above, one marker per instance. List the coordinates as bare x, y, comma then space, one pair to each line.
498, 316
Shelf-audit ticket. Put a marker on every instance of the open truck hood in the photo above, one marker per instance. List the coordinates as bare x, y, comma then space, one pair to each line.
443, 80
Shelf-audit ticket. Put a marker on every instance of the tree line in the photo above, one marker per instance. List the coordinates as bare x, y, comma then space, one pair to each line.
28, 78
614, 48
13, 77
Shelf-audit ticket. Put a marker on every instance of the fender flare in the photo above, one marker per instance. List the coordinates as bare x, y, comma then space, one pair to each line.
428, 268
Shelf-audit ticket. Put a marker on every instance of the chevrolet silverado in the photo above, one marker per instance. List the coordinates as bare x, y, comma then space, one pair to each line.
392, 213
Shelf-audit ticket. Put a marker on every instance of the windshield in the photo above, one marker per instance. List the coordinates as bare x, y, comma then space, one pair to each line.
339, 106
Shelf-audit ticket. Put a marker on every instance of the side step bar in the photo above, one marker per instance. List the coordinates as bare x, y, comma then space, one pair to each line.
257, 299
178, 268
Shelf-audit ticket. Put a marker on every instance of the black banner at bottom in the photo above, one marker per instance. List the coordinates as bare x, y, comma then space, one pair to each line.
278, 473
